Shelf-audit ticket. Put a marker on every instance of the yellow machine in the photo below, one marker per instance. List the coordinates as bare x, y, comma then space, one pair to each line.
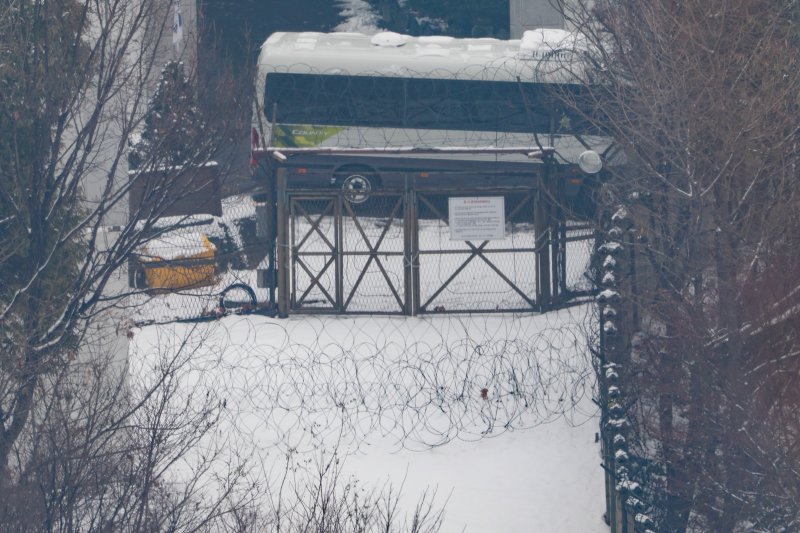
172, 265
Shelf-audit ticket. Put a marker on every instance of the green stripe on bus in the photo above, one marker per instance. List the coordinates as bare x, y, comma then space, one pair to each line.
302, 135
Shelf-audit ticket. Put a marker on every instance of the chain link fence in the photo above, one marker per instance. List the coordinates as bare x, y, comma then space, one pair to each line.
577, 241
348, 256
635, 480
199, 266
385, 251
457, 275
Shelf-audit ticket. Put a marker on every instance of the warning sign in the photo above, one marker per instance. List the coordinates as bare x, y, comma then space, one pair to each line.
480, 218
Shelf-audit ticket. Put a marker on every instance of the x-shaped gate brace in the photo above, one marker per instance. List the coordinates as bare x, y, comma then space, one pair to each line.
480, 252
373, 253
296, 254
335, 252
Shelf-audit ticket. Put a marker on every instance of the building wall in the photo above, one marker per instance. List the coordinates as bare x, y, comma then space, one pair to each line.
95, 181
531, 14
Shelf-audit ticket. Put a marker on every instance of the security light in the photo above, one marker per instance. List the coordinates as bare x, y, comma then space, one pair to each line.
590, 162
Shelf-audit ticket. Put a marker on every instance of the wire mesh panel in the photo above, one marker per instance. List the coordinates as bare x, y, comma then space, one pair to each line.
574, 248
348, 254
374, 238
492, 274
198, 266
315, 234
427, 251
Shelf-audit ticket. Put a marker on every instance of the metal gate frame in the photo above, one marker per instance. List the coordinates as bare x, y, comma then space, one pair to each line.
337, 299
475, 251
332, 207
548, 248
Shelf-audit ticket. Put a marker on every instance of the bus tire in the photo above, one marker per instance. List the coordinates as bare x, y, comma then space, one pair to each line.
357, 183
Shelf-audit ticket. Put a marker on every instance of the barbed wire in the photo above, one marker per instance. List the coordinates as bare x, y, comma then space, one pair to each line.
420, 382
332, 386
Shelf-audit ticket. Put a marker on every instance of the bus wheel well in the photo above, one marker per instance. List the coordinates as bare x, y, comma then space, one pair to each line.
352, 168
357, 181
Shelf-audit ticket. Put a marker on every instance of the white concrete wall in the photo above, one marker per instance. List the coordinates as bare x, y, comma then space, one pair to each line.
107, 339
186, 50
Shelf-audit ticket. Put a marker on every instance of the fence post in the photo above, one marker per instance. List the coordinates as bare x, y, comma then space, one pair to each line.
554, 231
266, 233
415, 281
612, 419
541, 225
619, 513
560, 243
627, 512
283, 245
338, 259
409, 213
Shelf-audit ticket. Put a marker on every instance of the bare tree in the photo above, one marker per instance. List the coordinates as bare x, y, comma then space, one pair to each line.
109, 447
75, 78
88, 439
703, 98
323, 500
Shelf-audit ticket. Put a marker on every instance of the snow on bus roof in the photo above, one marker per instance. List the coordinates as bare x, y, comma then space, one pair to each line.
544, 55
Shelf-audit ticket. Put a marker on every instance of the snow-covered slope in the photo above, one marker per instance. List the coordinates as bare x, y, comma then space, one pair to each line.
494, 412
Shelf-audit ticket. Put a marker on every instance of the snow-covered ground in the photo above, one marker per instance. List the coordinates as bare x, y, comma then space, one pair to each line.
358, 16
494, 412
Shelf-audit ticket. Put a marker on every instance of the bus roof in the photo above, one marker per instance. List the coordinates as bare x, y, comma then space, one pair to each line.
544, 55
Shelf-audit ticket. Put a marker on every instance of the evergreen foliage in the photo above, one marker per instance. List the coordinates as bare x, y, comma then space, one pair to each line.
171, 125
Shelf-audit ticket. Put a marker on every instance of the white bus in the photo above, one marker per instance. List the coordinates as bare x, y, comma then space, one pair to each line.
357, 111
